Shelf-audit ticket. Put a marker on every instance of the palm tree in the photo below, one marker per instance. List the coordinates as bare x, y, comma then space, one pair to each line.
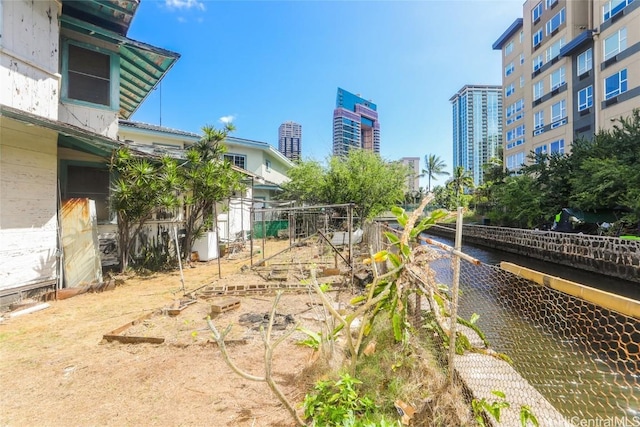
434, 166
459, 181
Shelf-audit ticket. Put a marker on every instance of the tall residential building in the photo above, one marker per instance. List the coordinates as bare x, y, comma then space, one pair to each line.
355, 124
413, 180
477, 127
290, 140
570, 69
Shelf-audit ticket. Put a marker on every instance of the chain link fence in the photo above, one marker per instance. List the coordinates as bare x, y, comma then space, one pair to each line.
582, 359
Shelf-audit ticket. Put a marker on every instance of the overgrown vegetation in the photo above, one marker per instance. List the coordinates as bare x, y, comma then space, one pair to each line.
600, 174
361, 177
144, 187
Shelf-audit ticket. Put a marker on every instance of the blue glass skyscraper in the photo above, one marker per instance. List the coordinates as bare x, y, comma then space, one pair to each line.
355, 124
477, 127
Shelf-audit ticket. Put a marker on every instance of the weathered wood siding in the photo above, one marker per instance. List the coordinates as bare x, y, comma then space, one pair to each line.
29, 56
100, 121
28, 219
607, 255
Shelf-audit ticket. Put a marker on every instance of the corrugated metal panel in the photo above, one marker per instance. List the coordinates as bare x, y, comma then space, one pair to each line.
80, 243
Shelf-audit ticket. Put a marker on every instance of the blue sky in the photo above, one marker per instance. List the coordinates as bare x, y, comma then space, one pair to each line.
265, 62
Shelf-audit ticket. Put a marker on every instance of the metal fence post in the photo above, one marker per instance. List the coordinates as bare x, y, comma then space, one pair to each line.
453, 320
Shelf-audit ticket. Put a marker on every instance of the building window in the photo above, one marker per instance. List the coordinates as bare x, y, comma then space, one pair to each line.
537, 38
615, 84
555, 22
267, 165
542, 149
554, 50
90, 74
521, 81
538, 90
538, 120
536, 13
615, 43
521, 36
508, 91
612, 7
557, 146
84, 180
509, 69
585, 98
550, 3
508, 48
521, 58
238, 160
585, 61
537, 63
557, 78
558, 111
515, 161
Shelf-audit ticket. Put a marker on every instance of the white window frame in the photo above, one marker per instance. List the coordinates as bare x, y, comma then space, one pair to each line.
536, 12
621, 77
538, 120
585, 61
509, 69
549, 3
587, 94
554, 50
521, 81
508, 48
538, 90
620, 37
555, 21
537, 37
561, 111
613, 7
557, 75
537, 63
560, 143
508, 91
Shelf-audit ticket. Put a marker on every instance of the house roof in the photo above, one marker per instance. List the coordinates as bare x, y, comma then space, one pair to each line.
69, 136
142, 65
155, 128
259, 145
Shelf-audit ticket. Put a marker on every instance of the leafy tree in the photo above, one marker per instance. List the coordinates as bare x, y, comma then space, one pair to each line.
520, 199
459, 181
364, 178
433, 167
140, 188
307, 183
206, 179
606, 173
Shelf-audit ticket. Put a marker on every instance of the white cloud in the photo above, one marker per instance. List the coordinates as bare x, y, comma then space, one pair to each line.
182, 19
184, 4
226, 119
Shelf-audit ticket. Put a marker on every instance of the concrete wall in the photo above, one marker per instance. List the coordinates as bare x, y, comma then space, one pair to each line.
28, 219
606, 255
29, 55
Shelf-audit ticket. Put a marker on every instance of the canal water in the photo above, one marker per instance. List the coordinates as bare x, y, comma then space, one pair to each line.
539, 329
599, 281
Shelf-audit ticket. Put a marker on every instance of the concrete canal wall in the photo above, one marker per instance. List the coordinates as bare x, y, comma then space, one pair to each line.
611, 256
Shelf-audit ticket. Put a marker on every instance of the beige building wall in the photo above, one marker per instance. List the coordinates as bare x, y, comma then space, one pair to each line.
550, 25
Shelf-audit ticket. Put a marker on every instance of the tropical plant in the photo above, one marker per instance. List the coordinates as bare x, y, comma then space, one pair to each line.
306, 183
139, 189
337, 403
433, 167
206, 179
459, 181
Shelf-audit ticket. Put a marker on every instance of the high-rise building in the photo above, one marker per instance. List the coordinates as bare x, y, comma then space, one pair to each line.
477, 127
355, 124
290, 140
413, 180
570, 68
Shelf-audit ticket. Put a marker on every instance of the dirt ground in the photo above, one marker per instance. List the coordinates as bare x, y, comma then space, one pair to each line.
57, 370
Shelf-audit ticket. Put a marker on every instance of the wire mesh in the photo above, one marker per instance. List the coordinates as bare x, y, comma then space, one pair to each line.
584, 359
